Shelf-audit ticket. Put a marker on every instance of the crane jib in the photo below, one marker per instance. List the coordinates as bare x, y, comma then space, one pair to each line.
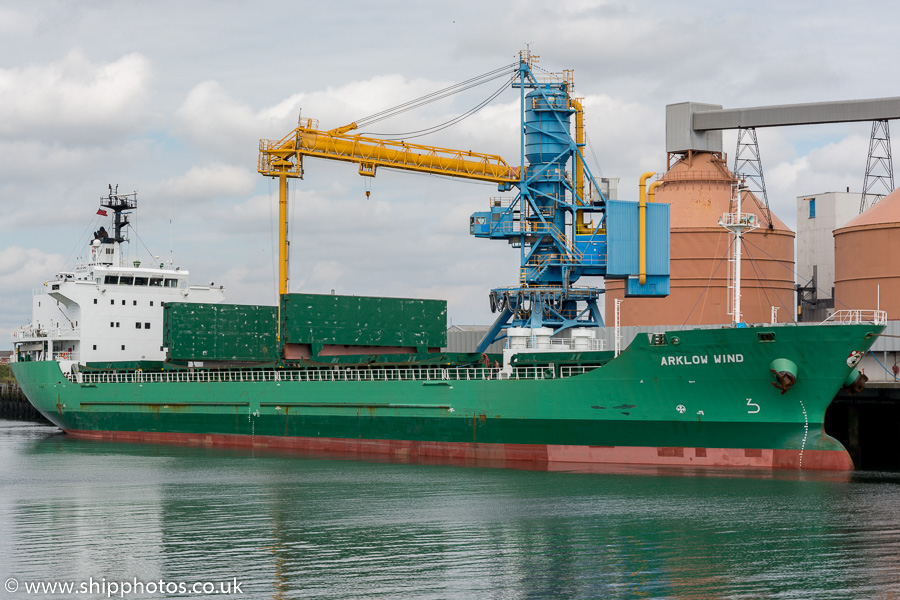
391, 154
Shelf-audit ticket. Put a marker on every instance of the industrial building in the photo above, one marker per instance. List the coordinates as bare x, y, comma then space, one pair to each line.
818, 215
845, 262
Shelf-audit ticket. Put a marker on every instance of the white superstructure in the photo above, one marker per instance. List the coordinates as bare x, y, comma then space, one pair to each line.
105, 310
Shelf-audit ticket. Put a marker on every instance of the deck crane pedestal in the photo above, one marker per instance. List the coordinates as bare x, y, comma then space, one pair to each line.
561, 232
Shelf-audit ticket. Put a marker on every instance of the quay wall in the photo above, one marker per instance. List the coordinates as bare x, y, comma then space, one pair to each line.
15, 407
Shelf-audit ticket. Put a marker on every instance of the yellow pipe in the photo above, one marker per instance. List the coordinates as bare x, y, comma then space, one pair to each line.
642, 229
651, 191
580, 226
579, 141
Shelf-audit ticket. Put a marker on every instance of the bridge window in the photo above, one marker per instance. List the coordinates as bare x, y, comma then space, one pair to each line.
140, 281
156, 282
171, 283
126, 280
111, 279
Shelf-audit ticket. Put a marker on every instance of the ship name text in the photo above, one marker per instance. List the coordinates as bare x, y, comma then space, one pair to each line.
701, 359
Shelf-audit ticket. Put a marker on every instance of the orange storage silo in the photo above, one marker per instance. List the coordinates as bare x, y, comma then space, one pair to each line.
867, 259
698, 188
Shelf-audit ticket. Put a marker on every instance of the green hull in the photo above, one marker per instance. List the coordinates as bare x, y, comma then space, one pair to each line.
704, 397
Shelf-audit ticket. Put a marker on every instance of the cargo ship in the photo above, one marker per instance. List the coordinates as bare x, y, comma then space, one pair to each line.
363, 375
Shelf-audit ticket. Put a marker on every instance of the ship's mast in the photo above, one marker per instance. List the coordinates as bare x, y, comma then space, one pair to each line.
119, 203
737, 223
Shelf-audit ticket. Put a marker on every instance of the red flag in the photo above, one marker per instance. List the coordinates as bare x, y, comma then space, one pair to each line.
101, 212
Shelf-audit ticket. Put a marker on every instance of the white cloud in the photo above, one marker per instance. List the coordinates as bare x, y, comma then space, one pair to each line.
833, 167
74, 99
252, 283
203, 183
324, 274
15, 21
216, 123
21, 268
628, 138
30, 159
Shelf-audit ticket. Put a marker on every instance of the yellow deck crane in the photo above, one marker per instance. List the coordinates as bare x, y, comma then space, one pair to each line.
284, 159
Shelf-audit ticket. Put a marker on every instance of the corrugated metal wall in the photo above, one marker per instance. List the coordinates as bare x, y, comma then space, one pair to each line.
467, 340
221, 332
623, 238
889, 344
364, 321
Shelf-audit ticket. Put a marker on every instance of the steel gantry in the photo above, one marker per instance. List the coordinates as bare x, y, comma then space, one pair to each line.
696, 126
564, 227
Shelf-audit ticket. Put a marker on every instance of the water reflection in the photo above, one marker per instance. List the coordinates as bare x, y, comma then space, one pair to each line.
300, 526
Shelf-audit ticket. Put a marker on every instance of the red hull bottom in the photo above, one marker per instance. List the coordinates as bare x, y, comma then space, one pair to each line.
517, 455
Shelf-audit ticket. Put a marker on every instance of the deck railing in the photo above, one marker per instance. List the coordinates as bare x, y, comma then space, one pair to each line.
571, 371
562, 344
878, 317
424, 374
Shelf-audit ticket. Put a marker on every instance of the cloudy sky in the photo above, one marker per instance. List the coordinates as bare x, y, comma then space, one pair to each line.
171, 98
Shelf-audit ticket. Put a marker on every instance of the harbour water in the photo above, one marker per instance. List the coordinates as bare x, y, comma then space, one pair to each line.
288, 526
